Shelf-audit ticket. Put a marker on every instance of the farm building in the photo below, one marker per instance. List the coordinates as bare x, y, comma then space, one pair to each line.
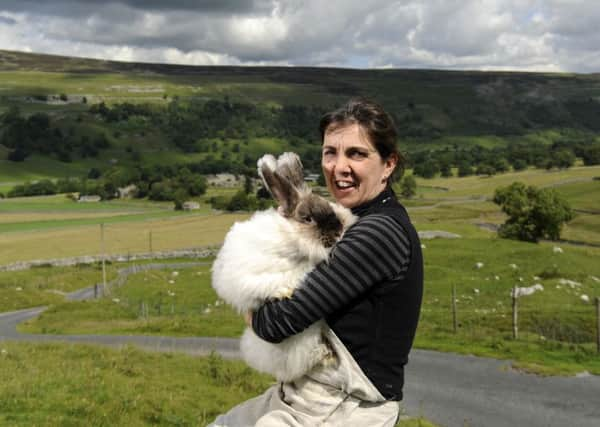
87, 199
190, 206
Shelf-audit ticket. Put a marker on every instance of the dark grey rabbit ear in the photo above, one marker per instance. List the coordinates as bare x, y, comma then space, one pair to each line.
290, 167
279, 186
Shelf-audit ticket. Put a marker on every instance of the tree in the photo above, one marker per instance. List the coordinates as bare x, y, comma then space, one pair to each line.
428, 169
17, 155
591, 155
445, 170
248, 186
408, 186
179, 198
519, 165
321, 180
484, 169
533, 214
562, 159
465, 169
500, 164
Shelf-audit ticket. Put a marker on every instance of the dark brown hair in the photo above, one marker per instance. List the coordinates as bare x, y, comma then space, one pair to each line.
373, 120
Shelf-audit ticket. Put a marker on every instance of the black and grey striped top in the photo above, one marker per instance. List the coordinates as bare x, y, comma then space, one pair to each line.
373, 250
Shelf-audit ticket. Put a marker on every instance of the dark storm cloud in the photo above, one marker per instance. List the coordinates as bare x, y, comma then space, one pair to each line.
548, 35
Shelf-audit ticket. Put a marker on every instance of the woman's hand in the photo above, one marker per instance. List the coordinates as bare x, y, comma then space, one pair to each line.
248, 318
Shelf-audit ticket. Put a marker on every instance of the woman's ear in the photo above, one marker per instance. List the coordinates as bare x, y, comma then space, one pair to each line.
390, 165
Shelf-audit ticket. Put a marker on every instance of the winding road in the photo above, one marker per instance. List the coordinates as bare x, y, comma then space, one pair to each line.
448, 389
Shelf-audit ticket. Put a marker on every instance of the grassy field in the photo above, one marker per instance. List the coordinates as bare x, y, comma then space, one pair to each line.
26, 222
46, 285
485, 186
463, 200
36, 168
120, 238
73, 385
56, 227
180, 303
557, 326
69, 385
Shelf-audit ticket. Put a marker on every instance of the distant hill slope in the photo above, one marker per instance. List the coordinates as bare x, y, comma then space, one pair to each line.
277, 108
426, 102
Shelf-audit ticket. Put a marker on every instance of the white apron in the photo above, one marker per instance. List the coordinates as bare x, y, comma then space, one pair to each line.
328, 396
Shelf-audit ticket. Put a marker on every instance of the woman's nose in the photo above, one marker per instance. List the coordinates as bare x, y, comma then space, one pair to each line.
342, 165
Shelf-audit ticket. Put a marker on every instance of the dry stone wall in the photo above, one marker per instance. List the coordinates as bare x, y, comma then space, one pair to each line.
90, 259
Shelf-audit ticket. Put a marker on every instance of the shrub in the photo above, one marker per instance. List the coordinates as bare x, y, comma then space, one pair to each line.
533, 214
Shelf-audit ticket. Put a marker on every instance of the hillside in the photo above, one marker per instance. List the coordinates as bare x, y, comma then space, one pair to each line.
258, 109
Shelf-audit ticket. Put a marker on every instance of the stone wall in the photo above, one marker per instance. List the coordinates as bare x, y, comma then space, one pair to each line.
90, 259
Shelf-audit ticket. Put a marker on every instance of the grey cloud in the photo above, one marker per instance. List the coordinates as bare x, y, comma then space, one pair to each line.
477, 34
78, 8
7, 20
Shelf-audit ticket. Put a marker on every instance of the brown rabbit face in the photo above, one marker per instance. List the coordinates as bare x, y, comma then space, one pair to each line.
318, 215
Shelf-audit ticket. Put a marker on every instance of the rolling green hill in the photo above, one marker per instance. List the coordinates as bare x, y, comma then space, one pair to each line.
258, 109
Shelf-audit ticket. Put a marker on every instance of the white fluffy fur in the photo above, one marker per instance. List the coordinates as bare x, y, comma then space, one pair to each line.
266, 257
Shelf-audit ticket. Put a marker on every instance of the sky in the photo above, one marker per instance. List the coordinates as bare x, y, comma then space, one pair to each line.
525, 35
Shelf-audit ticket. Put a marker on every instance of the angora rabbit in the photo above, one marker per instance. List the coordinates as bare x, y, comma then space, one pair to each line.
267, 256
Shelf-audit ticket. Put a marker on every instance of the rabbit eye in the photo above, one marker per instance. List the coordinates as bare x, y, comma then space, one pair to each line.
307, 219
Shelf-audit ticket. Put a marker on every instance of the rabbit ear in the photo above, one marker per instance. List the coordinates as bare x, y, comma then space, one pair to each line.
289, 166
266, 162
280, 187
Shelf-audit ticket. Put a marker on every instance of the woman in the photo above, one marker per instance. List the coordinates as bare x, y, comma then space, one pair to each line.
369, 292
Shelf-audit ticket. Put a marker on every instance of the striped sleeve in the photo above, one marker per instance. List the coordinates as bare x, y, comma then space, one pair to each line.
375, 249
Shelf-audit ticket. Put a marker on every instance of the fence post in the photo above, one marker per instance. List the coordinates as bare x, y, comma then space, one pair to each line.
104, 293
515, 313
598, 324
454, 322
95, 290
150, 240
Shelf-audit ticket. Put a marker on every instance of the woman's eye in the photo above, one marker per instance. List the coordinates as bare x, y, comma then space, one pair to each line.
357, 155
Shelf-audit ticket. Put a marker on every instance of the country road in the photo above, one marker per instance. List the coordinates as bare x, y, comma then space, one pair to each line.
448, 389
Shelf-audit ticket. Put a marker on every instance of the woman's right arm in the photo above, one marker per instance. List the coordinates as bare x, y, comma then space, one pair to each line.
374, 249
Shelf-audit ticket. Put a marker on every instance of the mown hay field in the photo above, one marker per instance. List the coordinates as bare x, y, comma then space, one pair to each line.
184, 231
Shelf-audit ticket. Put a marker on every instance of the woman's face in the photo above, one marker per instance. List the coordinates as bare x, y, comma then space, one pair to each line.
354, 171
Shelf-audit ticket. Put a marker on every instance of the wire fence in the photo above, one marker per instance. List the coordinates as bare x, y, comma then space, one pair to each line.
516, 317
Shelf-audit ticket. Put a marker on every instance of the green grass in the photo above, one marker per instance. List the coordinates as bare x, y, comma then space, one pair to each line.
582, 195
46, 285
36, 168
557, 326
69, 385
73, 385
61, 203
53, 212
77, 222
180, 303
485, 186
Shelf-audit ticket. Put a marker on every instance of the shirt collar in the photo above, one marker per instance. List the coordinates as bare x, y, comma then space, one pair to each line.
384, 197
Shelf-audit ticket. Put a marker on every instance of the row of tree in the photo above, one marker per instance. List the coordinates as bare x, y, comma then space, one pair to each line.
161, 183
37, 133
516, 156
